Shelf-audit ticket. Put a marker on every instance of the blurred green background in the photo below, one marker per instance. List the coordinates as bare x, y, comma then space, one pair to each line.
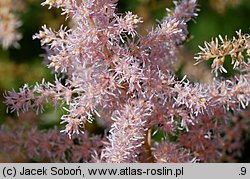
24, 65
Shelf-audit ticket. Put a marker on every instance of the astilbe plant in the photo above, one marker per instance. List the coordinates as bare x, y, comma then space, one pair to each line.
105, 70
9, 23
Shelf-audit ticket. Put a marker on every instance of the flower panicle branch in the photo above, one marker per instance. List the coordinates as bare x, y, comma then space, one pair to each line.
219, 48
